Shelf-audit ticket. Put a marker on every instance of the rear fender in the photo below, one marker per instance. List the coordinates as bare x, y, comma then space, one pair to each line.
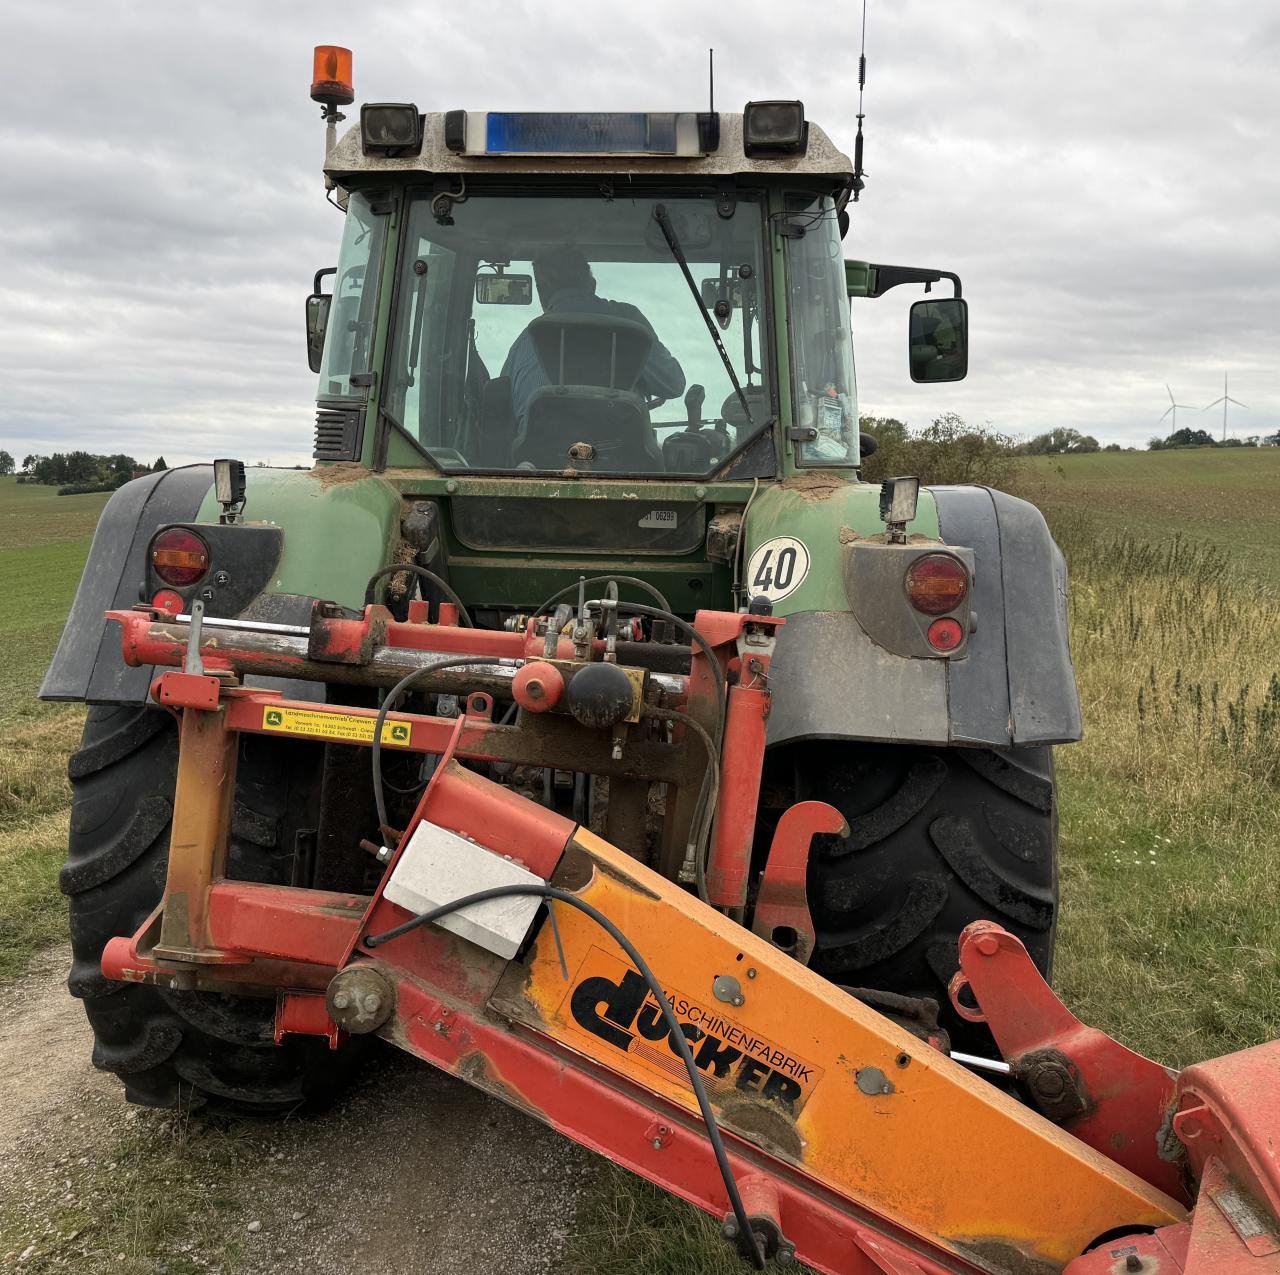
1012, 683
339, 524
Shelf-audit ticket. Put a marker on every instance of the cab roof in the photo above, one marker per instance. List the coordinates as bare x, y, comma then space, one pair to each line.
347, 159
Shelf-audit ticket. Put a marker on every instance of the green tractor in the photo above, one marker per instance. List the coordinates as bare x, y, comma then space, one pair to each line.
567, 360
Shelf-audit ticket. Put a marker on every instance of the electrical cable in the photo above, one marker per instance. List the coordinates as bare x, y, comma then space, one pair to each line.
708, 793
717, 673
704, 811
461, 661
423, 574
593, 580
507, 718
739, 549
677, 1037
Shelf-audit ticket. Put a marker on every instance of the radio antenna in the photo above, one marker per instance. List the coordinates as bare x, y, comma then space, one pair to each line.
711, 81
858, 175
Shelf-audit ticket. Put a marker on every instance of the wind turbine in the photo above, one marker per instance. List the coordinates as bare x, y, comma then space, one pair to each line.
1224, 400
1173, 407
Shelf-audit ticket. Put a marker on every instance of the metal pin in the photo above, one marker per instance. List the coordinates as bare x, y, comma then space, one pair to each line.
555, 934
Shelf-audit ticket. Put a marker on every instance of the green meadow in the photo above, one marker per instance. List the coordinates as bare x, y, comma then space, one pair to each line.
1168, 936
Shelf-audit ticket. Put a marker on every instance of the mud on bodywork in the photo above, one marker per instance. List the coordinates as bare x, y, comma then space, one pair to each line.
1012, 683
328, 536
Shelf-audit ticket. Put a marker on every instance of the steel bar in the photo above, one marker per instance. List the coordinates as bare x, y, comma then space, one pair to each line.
274, 652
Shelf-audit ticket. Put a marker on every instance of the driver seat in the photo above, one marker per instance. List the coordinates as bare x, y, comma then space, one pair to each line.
592, 363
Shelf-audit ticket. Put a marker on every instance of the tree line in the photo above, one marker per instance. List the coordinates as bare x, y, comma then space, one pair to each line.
953, 448
1202, 438
78, 471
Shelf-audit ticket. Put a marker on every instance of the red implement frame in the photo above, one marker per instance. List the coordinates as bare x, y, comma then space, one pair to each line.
239, 936
1115, 1100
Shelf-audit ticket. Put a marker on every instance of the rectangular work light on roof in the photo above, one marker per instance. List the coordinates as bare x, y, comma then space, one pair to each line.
390, 128
675, 134
774, 128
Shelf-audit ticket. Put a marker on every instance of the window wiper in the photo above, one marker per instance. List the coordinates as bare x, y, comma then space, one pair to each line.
661, 216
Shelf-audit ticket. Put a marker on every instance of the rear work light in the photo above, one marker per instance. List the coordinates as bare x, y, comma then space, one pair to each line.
390, 128
937, 583
774, 128
179, 557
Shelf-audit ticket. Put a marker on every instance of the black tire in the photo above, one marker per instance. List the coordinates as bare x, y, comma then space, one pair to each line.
181, 1048
938, 838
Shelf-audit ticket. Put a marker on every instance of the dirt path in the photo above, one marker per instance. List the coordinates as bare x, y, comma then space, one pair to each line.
414, 1172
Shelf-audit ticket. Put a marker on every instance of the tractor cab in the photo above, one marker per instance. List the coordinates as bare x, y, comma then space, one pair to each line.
656, 294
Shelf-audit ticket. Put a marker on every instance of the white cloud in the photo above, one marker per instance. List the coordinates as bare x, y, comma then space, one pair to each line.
1104, 178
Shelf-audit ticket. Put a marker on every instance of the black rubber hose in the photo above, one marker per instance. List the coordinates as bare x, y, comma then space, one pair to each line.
717, 674
708, 794
461, 661
678, 1038
423, 574
594, 580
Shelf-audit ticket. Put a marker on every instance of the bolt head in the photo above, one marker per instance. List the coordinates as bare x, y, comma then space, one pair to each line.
372, 1003
752, 972
739, 1000
341, 1000
657, 1144
1049, 1082
729, 1230
786, 1255
988, 945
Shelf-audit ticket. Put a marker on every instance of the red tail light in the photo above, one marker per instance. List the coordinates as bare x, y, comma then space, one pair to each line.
945, 634
179, 557
937, 583
169, 601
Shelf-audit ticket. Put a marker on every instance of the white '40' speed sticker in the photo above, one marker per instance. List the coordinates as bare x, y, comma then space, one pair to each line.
778, 567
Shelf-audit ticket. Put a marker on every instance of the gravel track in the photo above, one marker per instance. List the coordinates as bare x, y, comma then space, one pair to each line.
412, 1172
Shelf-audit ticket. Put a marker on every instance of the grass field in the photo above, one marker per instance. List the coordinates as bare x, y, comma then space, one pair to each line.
44, 539
1228, 497
1168, 936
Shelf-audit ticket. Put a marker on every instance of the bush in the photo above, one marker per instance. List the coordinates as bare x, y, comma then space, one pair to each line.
84, 489
948, 451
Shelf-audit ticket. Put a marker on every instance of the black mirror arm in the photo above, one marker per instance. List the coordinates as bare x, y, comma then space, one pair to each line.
893, 276
320, 274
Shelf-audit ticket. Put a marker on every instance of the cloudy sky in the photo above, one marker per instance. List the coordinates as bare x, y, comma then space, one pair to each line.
1104, 175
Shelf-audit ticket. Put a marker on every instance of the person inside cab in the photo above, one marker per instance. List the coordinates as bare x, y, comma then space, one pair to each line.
566, 285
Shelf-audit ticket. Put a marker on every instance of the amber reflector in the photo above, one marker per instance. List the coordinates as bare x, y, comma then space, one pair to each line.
179, 557
937, 583
331, 79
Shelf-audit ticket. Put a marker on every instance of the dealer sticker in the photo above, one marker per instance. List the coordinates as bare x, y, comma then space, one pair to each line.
659, 518
344, 727
777, 568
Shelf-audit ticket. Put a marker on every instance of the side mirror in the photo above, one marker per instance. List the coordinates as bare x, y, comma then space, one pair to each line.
939, 341
318, 304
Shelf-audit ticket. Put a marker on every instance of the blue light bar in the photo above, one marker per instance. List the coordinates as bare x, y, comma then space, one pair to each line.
676, 134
